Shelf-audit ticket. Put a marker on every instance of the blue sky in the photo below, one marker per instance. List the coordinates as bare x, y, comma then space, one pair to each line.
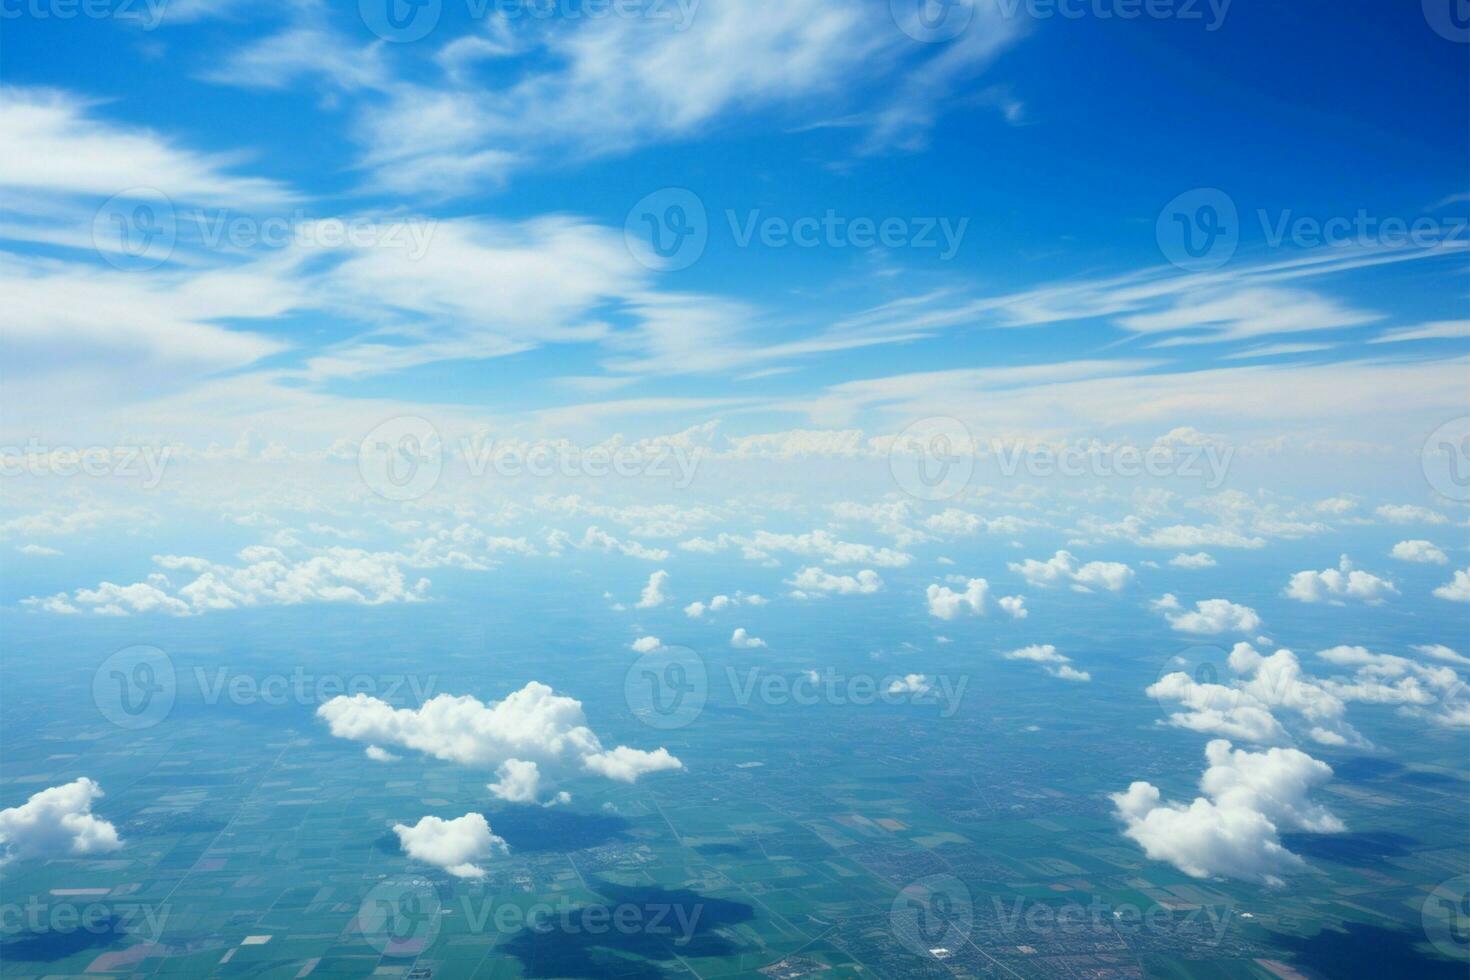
1047, 145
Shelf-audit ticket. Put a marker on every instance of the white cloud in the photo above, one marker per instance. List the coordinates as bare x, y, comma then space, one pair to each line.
1342, 582
945, 603
1456, 589
741, 640
910, 684
454, 845
379, 754
1421, 551
816, 581
1054, 663
1198, 560
1233, 830
266, 576
1014, 605
532, 725
1410, 514
51, 141
1441, 652
1063, 567
1210, 616
653, 593
647, 644
719, 603
57, 822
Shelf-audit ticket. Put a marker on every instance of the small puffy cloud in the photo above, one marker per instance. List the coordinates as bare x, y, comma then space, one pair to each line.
454, 845
625, 765
1200, 559
518, 781
814, 581
910, 684
1014, 606
532, 725
646, 644
1233, 830
741, 640
1410, 514
38, 550
1064, 568
1054, 663
1209, 617
1456, 589
1421, 551
1336, 584
653, 593
57, 822
379, 754
945, 603
719, 603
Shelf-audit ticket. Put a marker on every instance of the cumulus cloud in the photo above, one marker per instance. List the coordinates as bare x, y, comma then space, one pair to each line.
1242, 707
1410, 514
1456, 589
910, 684
741, 640
454, 845
653, 593
1063, 568
57, 822
531, 726
945, 603
811, 582
1336, 584
1209, 616
380, 754
813, 544
646, 644
1233, 830
1439, 651
1200, 559
719, 603
266, 575
1014, 605
1054, 663
1418, 550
